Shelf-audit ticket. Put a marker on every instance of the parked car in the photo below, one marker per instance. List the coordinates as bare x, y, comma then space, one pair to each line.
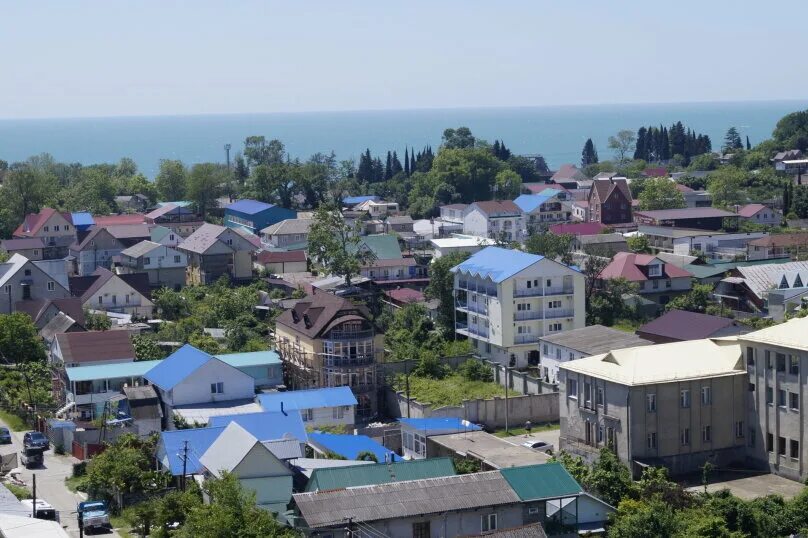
43, 509
541, 446
93, 515
35, 440
32, 456
5, 436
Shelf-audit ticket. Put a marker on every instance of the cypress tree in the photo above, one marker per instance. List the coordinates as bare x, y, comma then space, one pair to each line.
639, 149
589, 155
388, 167
495, 149
396, 165
412, 162
406, 162
748, 145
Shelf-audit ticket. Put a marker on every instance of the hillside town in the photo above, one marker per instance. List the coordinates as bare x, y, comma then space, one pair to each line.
553, 357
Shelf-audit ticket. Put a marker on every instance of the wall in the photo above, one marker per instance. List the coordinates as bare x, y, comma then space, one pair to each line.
119, 290
475, 223
39, 287
196, 387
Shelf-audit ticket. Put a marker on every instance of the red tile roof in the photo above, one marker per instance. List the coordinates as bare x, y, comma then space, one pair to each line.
781, 240
34, 221
579, 228
538, 188
405, 295
568, 172
659, 171
627, 265
113, 220
683, 188
265, 257
95, 346
750, 210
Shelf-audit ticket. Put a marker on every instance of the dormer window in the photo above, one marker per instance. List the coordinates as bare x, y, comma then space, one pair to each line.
655, 270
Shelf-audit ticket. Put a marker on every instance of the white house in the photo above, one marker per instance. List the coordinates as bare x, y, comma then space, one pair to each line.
104, 290
318, 407
460, 243
165, 266
507, 299
760, 214
542, 210
288, 234
378, 208
495, 219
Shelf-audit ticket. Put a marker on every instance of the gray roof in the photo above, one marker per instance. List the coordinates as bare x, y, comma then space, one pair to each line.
675, 233
285, 449
288, 226
399, 219
761, 278
595, 339
599, 239
405, 499
203, 238
59, 323
140, 249
534, 530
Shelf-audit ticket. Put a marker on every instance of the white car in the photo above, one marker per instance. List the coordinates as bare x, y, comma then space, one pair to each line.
539, 445
43, 509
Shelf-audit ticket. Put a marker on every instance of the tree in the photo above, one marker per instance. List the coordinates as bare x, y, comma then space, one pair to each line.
460, 138
622, 143
661, 193
726, 185
592, 267
205, 342
609, 477
639, 244
640, 519
273, 183
19, 341
204, 185
508, 184
125, 467
471, 172
408, 332
550, 245
171, 180
367, 455
608, 306
589, 155
335, 245
732, 140
97, 321
748, 144
441, 287
696, 300
25, 190
791, 131
146, 348
258, 151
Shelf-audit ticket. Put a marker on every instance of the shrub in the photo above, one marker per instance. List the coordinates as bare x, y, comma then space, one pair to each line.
474, 370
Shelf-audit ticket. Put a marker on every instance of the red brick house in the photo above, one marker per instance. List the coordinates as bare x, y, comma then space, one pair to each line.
610, 201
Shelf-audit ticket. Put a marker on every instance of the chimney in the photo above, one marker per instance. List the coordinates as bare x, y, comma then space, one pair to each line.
306, 320
295, 316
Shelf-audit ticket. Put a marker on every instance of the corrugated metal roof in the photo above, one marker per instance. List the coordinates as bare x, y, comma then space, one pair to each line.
82, 219
286, 449
249, 207
349, 446
544, 481
534, 530
173, 444
441, 424
792, 334
529, 202
383, 246
254, 358
380, 473
595, 339
497, 263
110, 371
307, 399
355, 200
266, 426
177, 366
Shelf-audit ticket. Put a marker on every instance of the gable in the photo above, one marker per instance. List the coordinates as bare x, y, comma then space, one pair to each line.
260, 462
216, 369
55, 220
239, 242
117, 286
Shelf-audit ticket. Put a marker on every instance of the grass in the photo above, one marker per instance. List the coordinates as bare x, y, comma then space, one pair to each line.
330, 428
73, 482
19, 491
451, 390
626, 325
14, 422
121, 526
537, 428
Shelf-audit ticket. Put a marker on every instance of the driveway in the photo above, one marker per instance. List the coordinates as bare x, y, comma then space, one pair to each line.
50, 484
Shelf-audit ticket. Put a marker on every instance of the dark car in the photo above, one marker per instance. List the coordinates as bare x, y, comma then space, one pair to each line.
5, 436
35, 440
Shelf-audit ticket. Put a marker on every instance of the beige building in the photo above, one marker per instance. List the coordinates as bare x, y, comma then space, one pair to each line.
327, 341
214, 251
678, 405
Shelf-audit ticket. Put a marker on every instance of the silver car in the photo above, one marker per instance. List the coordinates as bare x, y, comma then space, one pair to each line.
541, 446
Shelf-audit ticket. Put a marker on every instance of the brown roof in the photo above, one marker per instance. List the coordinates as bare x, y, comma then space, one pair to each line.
683, 325
86, 286
321, 309
686, 213
34, 221
750, 210
37, 307
605, 188
498, 207
281, 257
781, 240
95, 346
568, 172
401, 262
10, 245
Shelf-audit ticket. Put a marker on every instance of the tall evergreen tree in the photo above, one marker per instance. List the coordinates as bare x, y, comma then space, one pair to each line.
406, 162
377, 170
732, 140
665, 146
364, 171
412, 162
388, 166
640, 150
748, 145
677, 139
395, 166
589, 155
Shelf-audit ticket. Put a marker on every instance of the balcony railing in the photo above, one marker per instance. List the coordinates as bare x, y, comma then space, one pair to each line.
350, 360
538, 292
554, 313
473, 307
526, 315
479, 288
550, 313
350, 335
473, 330
526, 338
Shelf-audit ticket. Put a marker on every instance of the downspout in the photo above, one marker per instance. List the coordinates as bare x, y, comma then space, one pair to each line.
628, 433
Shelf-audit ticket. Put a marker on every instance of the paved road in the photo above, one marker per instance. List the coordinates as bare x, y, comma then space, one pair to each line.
50, 484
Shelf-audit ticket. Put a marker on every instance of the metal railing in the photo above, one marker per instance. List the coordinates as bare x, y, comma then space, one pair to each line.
474, 307
472, 286
554, 313
538, 292
350, 335
526, 338
474, 330
525, 315
350, 360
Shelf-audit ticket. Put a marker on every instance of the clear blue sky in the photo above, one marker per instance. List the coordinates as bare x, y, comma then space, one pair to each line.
109, 58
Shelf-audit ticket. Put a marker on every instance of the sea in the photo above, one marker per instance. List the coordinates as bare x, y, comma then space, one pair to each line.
558, 133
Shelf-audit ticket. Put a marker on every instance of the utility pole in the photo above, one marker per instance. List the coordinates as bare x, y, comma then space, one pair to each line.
227, 154
184, 462
80, 517
407, 378
506, 399
33, 494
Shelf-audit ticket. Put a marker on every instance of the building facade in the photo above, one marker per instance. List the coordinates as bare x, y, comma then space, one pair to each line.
610, 201
254, 216
495, 219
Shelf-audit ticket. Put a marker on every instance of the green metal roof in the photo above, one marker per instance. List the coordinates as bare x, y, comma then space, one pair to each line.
381, 473
714, 269
383, 246
543, 481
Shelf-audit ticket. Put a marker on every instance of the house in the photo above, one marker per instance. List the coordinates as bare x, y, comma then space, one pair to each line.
416, 431
657, 280
377, 209
568, 176
288, 234
124, 294
165, 236
164, 266
318, 407
507, 299
452, 213
380, 246
398, 224
715, 245
137, 203
697, 218
396, 272
681, 325
578, 228
781, 156
89, 387
459, 243
258, 470
778, 245
99, 246
42, 311
78, 349
254, 216
23, 280
54, 228
610, 201
489, 451
215, 251
352, 201
327, 341
349, 446
523, 499
379, 473
542, 210
495, 219
747, 287
401, 297
678, 405
264, 367
143, 406
557, 349
279, 262
579, 210
192, 377
267, 425
31, 247
606, 245
179, 218
760, 214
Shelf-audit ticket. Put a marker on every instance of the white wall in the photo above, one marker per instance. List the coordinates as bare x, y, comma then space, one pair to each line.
475, 223
195, 389
324, 416
113, 298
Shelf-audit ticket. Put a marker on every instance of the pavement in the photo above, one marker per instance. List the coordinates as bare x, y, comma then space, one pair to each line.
746, 485
50, 484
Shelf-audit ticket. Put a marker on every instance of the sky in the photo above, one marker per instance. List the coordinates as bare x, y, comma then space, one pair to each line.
148, 57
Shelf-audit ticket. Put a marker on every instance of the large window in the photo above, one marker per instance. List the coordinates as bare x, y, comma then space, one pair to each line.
651, 401
684, 435
572, 388
489, 523
421, 530
794, 364
684, 398
706, 396
217, 388
780, 360
750, 356
651, 439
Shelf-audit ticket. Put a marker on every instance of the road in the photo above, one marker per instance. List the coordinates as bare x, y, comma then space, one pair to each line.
50, 484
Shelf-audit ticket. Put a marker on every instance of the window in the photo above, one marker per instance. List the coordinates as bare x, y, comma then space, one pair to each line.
421, 530
549, 283
147, 261
684, 436
751, 387
769, 395
655, 284
100, 300
171, 237
51, 285
706, 434
600, 433
781, 446
600, 396
750, 356
739, 429
27, 272
555, 327
56, 228
67, 227
572, 388
545, 349
769, 442
794, 449
684, 398
529, 284
651, 400
217, 388
780, 360
651, 440
794, 401
781, 398
114, 299
7, 289
177, 258
337, 412
654, 270
793, 364
768, 355
489, 522
554, 304
307, 414
558, 354
706, 396
46, 228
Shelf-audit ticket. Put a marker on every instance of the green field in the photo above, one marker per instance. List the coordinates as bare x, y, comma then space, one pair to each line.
451, 390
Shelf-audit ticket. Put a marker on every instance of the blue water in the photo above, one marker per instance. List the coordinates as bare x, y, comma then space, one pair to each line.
558, 133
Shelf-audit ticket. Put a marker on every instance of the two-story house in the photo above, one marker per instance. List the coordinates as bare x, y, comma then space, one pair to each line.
378, 209
396, 272
610, 201
327, 341
98, 247
22, 280
656, 280
104, 290
180, 219
165, 266
254, 216
165, 236
496, 219
54, 228
506, 300
545, 209
288, 234
760, 214
214, 251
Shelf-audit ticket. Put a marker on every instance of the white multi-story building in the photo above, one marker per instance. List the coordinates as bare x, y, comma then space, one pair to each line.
499, 219
507, 299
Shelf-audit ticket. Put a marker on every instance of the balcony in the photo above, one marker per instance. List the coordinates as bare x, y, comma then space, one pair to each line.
526, 338
475, 331
543, 292
550, 313
476, 308
93, 397
350, 335
342, 361
555, 313
526, 315
479, 288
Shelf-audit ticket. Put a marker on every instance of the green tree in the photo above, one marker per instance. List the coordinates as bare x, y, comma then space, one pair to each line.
273, 183
726, 185
171, 305
25, 190
204, 186
661, 193
471, 173
553, 246
258, 151
640, 519
146, 348
696, 300
609, 477
19, 341
97, 321
639, 244
441, 287
126, 467
704, 161
171, 180
205, 342
335, 245
732, 140
407, 332
460, 138
791, 131
589, 155
94, 191
508, 184
622, 144
607, 305
367, 455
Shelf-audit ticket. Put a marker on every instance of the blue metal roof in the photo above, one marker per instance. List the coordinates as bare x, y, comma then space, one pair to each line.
254, 358
267, 426
349, 446
178, 203
439, 424
249, 207
172, 446
110, 371
177, 367
82, 219
497, 263
529, 202
307, 399
355, 200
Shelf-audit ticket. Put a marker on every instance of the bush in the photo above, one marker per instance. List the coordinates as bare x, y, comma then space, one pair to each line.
474, 370
19, 491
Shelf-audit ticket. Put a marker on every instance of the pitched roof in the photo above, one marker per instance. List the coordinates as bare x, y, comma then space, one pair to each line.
792, 334
102, 221
159, 232
267, 425
494, 208
459, 207
177, 366
250, 358
405, 295
383, 246
166, 209
595, 339
350, 446
82, 218
405, 499
663, 363
10, 268
230, 449
529, 202
761, 278
781, 240
605, 188
140, 249
307, 399
399, 219
95, 346
749, 210
199, 440
379, 473
10, 245
129, 231
249, 207
627, 265
568, 172
355, 200
658, 171
542, 481
684, 325
37, 307
86, 286
578, 228
497, 263
686, 213
34, 221
533, 530
289, 226
266, 256
58, 324
322, 310
203, 238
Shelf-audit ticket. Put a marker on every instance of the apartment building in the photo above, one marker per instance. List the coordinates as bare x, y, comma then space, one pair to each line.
542, 210
506, 300
495, 219
679, 405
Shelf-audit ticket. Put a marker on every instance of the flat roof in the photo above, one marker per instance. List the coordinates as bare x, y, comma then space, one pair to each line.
595, 339
253, 358
667, 231
462, 241
490, 449
110, 371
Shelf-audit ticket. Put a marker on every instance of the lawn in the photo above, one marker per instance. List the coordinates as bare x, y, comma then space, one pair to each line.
537, 428
14, 422
451, 390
